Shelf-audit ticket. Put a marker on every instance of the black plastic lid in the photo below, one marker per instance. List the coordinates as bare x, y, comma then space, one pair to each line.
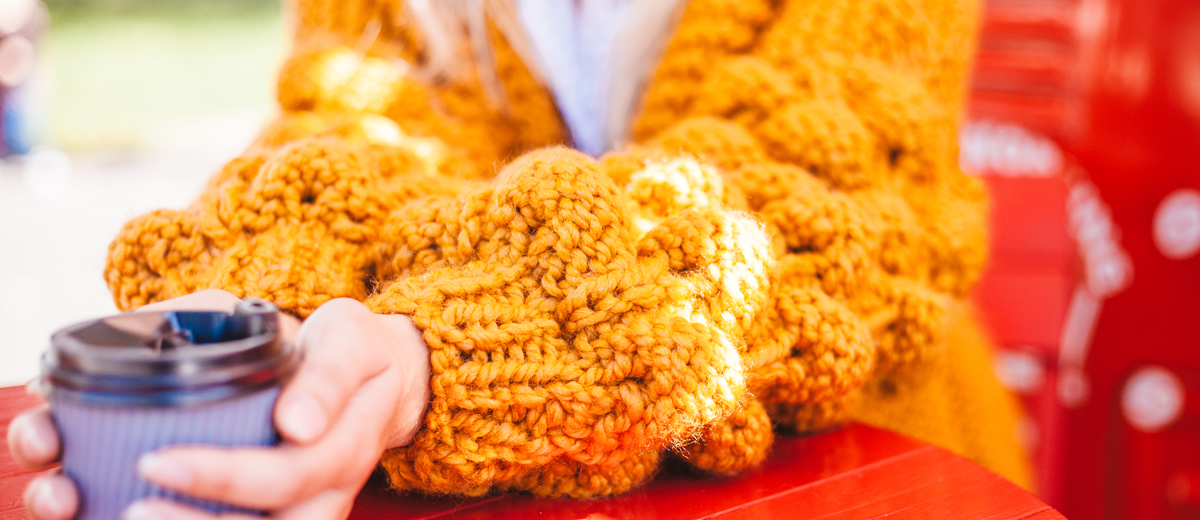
169, 358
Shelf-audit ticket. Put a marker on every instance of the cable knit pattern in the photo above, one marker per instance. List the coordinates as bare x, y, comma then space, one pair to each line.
784, 238
555, 338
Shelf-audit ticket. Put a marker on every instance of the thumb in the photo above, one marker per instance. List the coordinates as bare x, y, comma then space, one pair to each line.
338, 359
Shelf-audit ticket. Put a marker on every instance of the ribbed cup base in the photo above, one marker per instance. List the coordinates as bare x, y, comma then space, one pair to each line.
102, 443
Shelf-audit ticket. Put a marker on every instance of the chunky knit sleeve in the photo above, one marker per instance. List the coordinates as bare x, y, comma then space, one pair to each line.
559, 342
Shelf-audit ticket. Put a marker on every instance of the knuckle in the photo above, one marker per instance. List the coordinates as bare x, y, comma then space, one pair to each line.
35, 500
27, 442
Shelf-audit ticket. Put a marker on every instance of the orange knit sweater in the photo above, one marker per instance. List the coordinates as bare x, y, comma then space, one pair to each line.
786, 243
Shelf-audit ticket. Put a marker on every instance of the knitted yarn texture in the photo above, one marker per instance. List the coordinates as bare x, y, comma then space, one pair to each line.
781, 246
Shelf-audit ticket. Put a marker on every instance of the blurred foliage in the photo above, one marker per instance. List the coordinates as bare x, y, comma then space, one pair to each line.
118, 72
69, 9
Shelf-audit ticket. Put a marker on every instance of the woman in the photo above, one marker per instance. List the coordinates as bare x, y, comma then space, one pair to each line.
776, 234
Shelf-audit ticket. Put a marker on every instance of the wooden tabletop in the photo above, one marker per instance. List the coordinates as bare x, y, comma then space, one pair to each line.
855, 472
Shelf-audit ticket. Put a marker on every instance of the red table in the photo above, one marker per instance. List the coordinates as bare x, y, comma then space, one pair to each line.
856, 472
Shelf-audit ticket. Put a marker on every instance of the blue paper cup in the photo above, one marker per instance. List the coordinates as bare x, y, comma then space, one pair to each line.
126, 385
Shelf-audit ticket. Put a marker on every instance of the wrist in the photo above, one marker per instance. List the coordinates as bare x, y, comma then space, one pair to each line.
413, 369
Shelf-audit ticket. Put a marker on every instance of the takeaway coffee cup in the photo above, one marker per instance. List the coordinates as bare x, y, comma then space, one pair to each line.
130, 384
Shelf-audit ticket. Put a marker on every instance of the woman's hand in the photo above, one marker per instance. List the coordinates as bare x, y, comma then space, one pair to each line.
362, 388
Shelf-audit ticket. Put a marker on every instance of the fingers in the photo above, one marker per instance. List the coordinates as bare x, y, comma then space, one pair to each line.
51, 497
255, 478
162, 509
275, 478
332, 504
33, 439
208, 300
340, 354
363, 385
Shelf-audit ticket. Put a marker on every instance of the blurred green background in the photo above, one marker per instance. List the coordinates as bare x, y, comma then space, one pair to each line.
117, 73
137, 103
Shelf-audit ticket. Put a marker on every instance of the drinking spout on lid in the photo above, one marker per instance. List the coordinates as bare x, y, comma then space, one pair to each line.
262, 315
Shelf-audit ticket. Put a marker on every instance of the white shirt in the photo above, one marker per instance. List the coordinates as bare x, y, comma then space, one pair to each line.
595, 55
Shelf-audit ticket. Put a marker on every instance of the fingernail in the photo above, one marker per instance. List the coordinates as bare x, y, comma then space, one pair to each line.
303, 418
46, 504
164, 472
35, 443
140, 510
